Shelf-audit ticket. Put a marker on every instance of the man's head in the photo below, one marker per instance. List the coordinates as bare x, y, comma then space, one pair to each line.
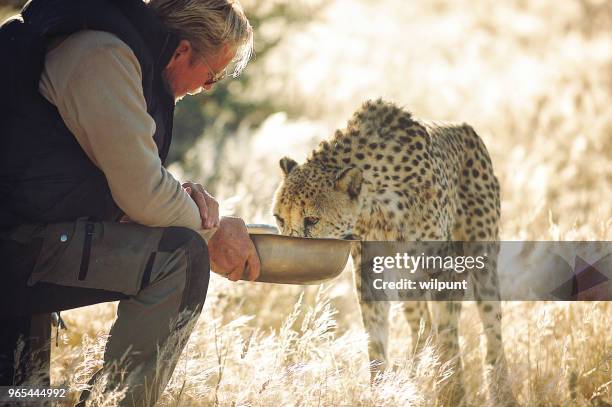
212, 33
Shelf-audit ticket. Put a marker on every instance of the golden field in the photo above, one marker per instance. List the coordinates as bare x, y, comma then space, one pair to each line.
534, 78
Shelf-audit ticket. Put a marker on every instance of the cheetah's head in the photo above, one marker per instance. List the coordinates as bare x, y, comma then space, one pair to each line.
316, 201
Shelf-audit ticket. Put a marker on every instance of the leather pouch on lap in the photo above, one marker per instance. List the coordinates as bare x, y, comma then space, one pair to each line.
100, 255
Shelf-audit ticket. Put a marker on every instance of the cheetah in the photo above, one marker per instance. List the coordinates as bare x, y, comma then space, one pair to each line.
391, 177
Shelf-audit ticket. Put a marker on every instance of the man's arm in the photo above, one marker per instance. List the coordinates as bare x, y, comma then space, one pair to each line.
94, 80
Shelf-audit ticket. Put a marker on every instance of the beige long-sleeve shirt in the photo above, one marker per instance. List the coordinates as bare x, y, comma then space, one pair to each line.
95, 81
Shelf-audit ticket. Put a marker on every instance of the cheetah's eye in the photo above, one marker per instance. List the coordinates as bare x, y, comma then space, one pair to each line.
310, 221
280, 220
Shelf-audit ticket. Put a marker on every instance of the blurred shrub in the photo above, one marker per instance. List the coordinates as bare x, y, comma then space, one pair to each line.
15, 4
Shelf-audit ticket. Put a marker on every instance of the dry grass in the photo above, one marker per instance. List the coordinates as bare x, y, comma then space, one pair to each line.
534, 80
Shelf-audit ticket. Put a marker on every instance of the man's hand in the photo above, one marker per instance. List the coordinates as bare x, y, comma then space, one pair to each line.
232, 252
207, 204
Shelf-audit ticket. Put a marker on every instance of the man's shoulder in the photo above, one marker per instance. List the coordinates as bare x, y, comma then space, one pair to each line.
84, 57
87, 41
89, 53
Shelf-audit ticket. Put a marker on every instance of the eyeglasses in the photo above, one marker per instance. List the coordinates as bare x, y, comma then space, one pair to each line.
214, 77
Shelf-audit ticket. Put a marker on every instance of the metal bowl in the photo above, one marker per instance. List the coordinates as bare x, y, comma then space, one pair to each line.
298, 260
262, 229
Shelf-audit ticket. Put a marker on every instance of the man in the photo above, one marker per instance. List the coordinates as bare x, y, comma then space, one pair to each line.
86, 124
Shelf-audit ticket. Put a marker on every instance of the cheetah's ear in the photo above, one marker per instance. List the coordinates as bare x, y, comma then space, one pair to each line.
349, 180
287, 165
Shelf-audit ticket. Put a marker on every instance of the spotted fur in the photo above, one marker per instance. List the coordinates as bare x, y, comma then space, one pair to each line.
389, 176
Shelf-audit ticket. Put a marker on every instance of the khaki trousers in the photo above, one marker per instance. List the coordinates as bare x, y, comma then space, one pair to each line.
160, 276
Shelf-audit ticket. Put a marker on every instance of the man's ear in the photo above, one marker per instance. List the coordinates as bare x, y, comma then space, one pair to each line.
287, 165
183, 50
349, 180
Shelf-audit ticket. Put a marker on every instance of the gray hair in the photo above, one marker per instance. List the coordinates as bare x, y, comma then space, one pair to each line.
208, 25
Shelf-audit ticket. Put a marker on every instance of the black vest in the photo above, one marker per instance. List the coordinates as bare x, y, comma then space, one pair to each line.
44, 174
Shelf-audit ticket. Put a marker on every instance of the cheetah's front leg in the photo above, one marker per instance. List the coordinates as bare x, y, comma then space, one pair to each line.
375, 316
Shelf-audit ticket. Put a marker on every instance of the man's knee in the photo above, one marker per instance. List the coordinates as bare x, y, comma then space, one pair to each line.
198, 263
174, 238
